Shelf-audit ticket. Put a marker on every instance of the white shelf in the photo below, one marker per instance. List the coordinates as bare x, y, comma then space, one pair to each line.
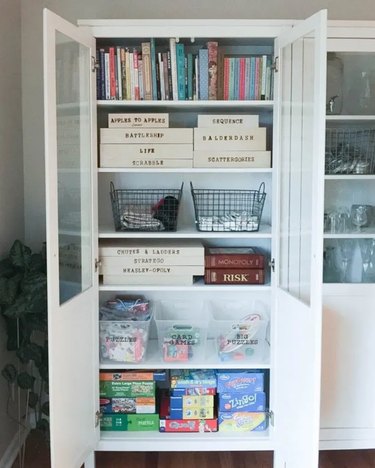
364, 234
350, 117
154, 441
350, 177
266, 105
187, 170
197, 286
185, 232
154, 361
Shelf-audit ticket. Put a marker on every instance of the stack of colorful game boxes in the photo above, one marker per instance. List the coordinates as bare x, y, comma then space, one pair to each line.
189, 406
127, 400
241, 400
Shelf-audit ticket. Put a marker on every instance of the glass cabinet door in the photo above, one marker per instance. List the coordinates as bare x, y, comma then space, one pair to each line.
349, 209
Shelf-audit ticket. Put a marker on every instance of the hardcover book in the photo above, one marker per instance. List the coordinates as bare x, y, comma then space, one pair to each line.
234, 276
203, 74
212, 70
146, 70
234, 257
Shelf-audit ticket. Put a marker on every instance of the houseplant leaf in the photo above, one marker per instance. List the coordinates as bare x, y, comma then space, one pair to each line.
30, 352
20, 255
9, 373
25, 381
33, 399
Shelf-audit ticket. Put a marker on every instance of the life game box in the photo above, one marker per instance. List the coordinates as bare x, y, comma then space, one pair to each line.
129, 422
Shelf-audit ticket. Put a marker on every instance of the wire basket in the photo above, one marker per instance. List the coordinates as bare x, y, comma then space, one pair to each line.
228, 210
145, 209
350, 151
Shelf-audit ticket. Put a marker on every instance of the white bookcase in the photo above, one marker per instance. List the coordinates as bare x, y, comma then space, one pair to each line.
79, 214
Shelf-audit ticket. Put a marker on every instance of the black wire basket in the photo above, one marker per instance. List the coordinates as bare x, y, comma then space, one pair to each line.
145, 209
350, 151
228, 210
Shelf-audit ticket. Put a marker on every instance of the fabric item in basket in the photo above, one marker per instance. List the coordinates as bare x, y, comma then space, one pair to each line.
136, 218
232, 221
166, 212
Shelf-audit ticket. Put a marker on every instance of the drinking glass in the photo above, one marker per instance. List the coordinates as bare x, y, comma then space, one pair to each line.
346, 247
367, 247
359, 216
331, 273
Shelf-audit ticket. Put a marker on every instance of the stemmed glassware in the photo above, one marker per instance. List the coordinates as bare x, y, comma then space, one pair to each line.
359, 216
346, 247
367, 247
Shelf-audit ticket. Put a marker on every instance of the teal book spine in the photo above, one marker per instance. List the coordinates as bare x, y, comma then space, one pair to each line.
203, 74
153, 70
190, 76
180, 59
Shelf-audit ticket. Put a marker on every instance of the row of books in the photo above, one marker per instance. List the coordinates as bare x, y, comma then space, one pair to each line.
143, 73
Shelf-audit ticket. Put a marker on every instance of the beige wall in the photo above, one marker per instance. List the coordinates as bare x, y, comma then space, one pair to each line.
11, 167
32, 79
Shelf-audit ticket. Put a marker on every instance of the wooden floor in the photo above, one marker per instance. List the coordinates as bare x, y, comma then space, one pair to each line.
37, 456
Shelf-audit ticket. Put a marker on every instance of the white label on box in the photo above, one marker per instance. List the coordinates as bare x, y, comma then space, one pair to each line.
151, 269
151, 248
151, 120
123, 155
145, 280
142, 260
228, 120
255, 159
232, 139
146, 135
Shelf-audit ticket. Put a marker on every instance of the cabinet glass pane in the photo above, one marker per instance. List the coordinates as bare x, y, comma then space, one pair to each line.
297, 161
74, 166
350, 83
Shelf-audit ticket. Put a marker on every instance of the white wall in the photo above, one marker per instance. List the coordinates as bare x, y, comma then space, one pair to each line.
32, 86
11, 168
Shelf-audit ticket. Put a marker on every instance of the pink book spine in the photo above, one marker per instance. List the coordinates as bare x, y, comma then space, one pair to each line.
136, 78
226, 79
242, 79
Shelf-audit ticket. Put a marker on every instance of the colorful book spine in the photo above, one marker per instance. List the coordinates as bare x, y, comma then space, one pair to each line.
247, 78
226, 79
98, 86
107, 77
132, 75
190, 76
161, 76
112, 73
102, 73
123, 73
136, 80
128, 77
203, 74
147, 78
196, 80
119, 74
232, 67
252, 78
140, 79
153, 70
165, 71
172, 48
241, 90
234, 276
180, 60
170, 80
257, 78
212, 70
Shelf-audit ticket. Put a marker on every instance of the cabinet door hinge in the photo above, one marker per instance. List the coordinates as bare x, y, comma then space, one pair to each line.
275, 64
94, 64
272, 264
98, 264
271, 416
98, 417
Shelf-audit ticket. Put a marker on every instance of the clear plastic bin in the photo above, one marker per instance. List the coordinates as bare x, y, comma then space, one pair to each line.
239, 329
123, 341
182, 330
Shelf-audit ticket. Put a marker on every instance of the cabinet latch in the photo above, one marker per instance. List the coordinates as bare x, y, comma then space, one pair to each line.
94, 64
98, 264
271, 416
272, 264
275, 64
98, 417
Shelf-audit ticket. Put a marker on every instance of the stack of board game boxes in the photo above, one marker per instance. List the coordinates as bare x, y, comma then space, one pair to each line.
234, 265
230, 141
145, 141
151, 262
128, 400
189, 407
241, 401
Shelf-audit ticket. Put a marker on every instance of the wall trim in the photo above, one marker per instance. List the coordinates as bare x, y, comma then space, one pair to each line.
11, 452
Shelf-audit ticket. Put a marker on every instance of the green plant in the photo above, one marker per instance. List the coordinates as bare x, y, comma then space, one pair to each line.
23, 305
